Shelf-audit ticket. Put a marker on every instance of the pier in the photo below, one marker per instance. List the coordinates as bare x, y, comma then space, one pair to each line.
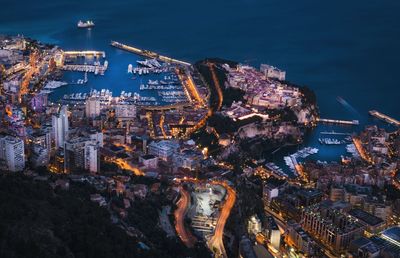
336, 121
88, 53
147, 53
384, 117
335, 133
96, 69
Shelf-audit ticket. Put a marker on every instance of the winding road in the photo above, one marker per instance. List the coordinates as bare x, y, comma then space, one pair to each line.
216, 243
183, 205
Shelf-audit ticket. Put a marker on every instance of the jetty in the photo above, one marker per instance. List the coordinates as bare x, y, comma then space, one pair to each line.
337, 121
147, 53
384, 117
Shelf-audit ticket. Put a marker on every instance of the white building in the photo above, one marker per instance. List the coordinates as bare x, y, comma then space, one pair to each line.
163, 149
125, 111
273, 233
92, 157
254, 225
97, 137
273, 72
60, 126
12, 153
92, 107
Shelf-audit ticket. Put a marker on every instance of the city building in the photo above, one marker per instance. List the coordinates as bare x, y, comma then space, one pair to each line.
300, 239
272, 233
272, 72
40, 156
372, 223
60, 126
149, 161
125, 111
163, 149
254, 225
188, 158
92, 107
364, 247
12, 153
92, 157
270, 191
329, 223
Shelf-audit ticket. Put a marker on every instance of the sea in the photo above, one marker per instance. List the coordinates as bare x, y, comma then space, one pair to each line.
346, 51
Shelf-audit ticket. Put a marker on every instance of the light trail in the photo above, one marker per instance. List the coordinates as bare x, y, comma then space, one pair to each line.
183, 204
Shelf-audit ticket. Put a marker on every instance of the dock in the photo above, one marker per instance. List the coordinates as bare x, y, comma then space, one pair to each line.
96, 69
86, 53
335, 133
147, 53
336, 121
384, 117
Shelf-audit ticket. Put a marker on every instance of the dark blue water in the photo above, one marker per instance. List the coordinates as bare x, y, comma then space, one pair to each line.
338, 48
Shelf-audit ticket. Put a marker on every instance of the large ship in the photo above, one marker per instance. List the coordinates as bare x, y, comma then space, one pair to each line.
87, 24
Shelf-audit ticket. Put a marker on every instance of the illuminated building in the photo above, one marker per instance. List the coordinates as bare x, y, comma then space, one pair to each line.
92, 157
163, 149
92, 107
60, 126
12, 153
272, 72
254, 225
328, 223
149, 161
273, 233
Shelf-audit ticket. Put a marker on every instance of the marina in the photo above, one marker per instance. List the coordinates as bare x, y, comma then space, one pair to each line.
291, 160
333, 141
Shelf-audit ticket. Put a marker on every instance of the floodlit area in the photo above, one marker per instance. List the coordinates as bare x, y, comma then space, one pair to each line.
205, 208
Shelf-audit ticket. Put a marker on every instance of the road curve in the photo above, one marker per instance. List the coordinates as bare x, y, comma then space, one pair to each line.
183, 204
216, 242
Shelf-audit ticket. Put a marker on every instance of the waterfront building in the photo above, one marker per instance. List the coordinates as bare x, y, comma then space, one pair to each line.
163, 149
93, 107
125, 111
12, 153
60, 126
272, 72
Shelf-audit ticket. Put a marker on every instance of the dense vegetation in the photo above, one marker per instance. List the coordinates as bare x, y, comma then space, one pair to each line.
36, 221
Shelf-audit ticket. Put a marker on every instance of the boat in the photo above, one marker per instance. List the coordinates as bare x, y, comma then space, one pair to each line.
87, 24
